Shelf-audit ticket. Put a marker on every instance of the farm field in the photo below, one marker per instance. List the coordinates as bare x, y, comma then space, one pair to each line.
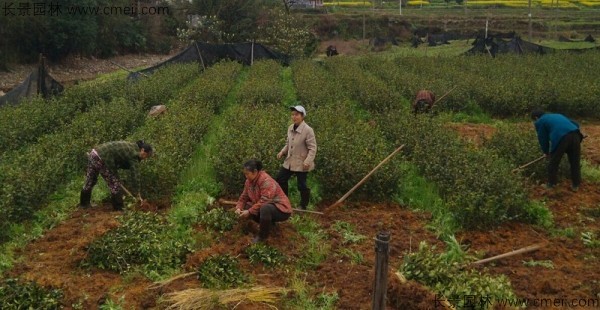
448, 199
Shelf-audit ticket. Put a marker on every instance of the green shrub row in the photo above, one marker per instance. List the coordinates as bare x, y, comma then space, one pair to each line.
371, 93
176, 134
263, 85
250, 132
519, 146
313, 85
349, 146
31, 174
476, 184
23, 124
505, 86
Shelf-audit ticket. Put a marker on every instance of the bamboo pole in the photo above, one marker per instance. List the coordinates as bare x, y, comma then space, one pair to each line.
233, 203
511, 253
528, 164
444, 95
337, 203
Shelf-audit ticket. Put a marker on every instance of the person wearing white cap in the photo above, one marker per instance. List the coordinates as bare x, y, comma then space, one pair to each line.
300, 150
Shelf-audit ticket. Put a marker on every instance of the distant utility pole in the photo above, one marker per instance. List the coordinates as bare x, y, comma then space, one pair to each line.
530, 26
400, 6
364, 27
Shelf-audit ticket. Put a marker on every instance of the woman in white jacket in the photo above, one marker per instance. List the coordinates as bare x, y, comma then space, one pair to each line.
300, 150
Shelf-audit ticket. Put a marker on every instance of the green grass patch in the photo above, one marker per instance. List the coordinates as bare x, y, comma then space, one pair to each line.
306, 297
419, 194
316, 248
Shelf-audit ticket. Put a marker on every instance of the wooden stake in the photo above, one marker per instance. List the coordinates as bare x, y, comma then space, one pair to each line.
515, 252
528, 164
382, 254
337, 203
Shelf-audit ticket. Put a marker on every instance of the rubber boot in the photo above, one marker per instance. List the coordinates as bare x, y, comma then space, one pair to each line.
117, 201
304, 198
265, 229
84, 199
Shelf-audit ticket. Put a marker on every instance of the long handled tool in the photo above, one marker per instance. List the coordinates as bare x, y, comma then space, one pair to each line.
511, 253
337, 203
528, 164
444, 95
233, 203
130, 194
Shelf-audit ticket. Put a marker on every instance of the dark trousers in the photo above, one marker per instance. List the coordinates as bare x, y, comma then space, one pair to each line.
267, 216
284, 176
570, 144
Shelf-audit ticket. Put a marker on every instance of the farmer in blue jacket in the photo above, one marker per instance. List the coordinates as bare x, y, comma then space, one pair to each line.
559, 135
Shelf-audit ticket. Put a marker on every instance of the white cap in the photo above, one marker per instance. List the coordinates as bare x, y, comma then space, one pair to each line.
300, 109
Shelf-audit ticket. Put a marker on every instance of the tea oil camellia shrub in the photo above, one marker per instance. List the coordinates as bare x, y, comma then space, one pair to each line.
176, 134
476, 184
519, 146
510, 85
263, 85
348, 146
314, 85
250, 132
16, 295
26, 122
142, 240
264, 254
451, 280
31, 174
219, 219
28, 177
369, 91
221, 272
348, 149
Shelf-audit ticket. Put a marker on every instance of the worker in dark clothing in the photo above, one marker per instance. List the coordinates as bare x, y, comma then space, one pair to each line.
106, 159
423, 102
558, 135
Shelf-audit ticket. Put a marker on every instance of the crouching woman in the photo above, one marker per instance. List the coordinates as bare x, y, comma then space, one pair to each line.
262, 200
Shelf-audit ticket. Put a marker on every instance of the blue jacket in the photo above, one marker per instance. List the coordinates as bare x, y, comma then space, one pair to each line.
551, 128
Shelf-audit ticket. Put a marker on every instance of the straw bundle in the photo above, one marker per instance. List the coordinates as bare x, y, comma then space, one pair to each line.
201, 299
